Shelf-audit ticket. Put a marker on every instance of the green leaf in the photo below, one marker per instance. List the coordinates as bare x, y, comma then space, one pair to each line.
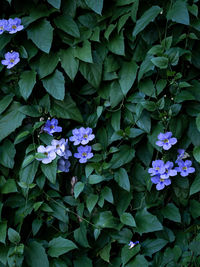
139, 260
50, 170
121, 177
26, 83
171, 212
151, 246
116, 44
28, 173
21, 137
55, 3
80, 236
10, 122
146, 222
96, 5
127, 253
83, 262
91, 201
92, 73
66, 109
196, 153
68, 25
13, 236
198, 122
194, 208
35, 255
41, 33
160, 62
127, 76
46, 64
59, 246
145, 19
195, 187
5, 102
106, 220
9, 187
125, 155
69, 63
3, 232
127, 218
7, 154
78, 188
55, 85
84, 53
179, 12
105, 253
115, 120
28, 159
95, 179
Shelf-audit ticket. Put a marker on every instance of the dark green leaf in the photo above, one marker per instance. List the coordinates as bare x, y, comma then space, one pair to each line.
68, 25
146, 222
59, 246
7, 154
127, 76
26, 83
146, 18
41, 33
55, 85
95, 5
66, 109
36, 255
171, 212
50, 170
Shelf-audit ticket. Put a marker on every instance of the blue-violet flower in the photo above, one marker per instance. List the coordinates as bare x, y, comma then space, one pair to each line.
48, 152
160, 182
168, 170
166, 140
3, 25
14, 25
82, 136
63, 165
133, 244
11, 59
184, 167
51, 127
84, 153
59, 146
158, 167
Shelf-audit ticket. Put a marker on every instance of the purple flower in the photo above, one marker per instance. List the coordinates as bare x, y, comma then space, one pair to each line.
168, 170
133, 244
160, 182
158, 167
11, 59
14, 25
51, 127
84, 153
48, 152
63, 165
3, 25
166, 141
59, 146
82, 136
181, 155
67, 153
184, 167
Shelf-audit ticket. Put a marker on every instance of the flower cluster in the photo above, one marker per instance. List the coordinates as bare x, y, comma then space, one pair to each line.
61, 148
12, 26
161, 171
57, 147
82, 136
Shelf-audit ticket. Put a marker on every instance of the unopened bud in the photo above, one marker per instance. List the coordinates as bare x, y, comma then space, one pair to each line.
42, 119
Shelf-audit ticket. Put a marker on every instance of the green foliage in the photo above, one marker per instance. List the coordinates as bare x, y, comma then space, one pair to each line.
129, 69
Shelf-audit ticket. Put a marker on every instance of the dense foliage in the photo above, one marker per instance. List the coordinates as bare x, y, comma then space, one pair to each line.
129, 70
